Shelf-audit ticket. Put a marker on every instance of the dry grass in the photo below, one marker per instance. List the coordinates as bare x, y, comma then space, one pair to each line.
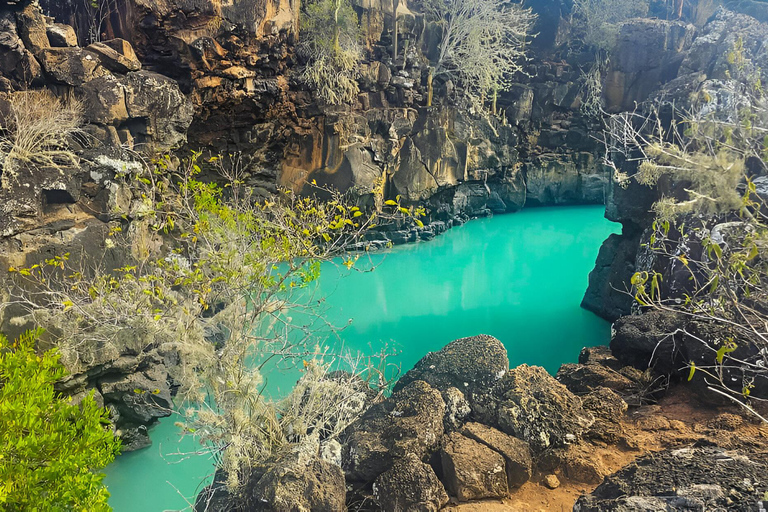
36, 131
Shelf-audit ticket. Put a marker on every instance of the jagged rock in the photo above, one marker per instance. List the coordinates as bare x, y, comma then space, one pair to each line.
710, 51
116, 55
569, 179
516, 453
139, 397
410, 421
579, 464
132, 437
295, 482
32, 28
216, 497
698, 478
103, 101
610, 279
71, 66
456, 408
158, 101
601, 354
61, 35
16, 62
531, 405
473, 365
428, 160
584, 378
647, 340
648, 52
472, 471
609, 409
410, 486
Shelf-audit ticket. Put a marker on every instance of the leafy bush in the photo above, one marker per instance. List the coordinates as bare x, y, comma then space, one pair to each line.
49, 449
330, 43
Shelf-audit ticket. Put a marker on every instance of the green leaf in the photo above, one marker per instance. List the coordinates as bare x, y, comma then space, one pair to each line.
693, 370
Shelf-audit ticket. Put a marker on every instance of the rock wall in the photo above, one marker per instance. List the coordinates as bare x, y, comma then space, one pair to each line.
693, 64
235, 62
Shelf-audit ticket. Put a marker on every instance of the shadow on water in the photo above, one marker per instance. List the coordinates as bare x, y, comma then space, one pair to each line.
518, 277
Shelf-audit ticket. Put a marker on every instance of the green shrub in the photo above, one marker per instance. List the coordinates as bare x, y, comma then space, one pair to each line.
49, 449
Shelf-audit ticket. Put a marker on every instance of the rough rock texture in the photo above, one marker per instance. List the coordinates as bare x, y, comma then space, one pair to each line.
294, 483
647, 340
531, 405
473, 365
584, 378
471, 470
516, 453
410, 421
649, 53
698, 478
410, 486
667, 61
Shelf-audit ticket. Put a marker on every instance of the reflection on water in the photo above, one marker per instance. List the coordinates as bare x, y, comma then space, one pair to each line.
518, 277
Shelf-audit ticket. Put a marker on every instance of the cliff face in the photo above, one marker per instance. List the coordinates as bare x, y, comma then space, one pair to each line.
235, 62
690, 64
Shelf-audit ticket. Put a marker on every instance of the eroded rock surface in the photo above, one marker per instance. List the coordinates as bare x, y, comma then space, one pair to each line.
697, 478
410, 421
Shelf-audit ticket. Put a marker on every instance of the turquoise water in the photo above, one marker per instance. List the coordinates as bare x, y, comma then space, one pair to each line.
518, 277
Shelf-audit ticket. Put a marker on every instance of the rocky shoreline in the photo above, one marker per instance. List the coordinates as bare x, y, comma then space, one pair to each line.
462, 430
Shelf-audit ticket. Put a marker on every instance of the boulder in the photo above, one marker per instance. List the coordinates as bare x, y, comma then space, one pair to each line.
294, 482
648, 340
472, 471
457, 408
158, 101
600, 354
609, 409
32, 28
71, 66
410, 421
141, 397
103, 101
16, 62
584, 378
516, 453
473, 365
116, 55
531, 405
61, 35
696, 478
410, 486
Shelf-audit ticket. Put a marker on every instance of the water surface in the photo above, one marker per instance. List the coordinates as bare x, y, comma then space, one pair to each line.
518, 277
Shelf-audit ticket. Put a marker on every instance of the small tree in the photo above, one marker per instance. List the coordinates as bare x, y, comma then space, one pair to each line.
330, 44
50, 449
482, 44
599, 21
228, 292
